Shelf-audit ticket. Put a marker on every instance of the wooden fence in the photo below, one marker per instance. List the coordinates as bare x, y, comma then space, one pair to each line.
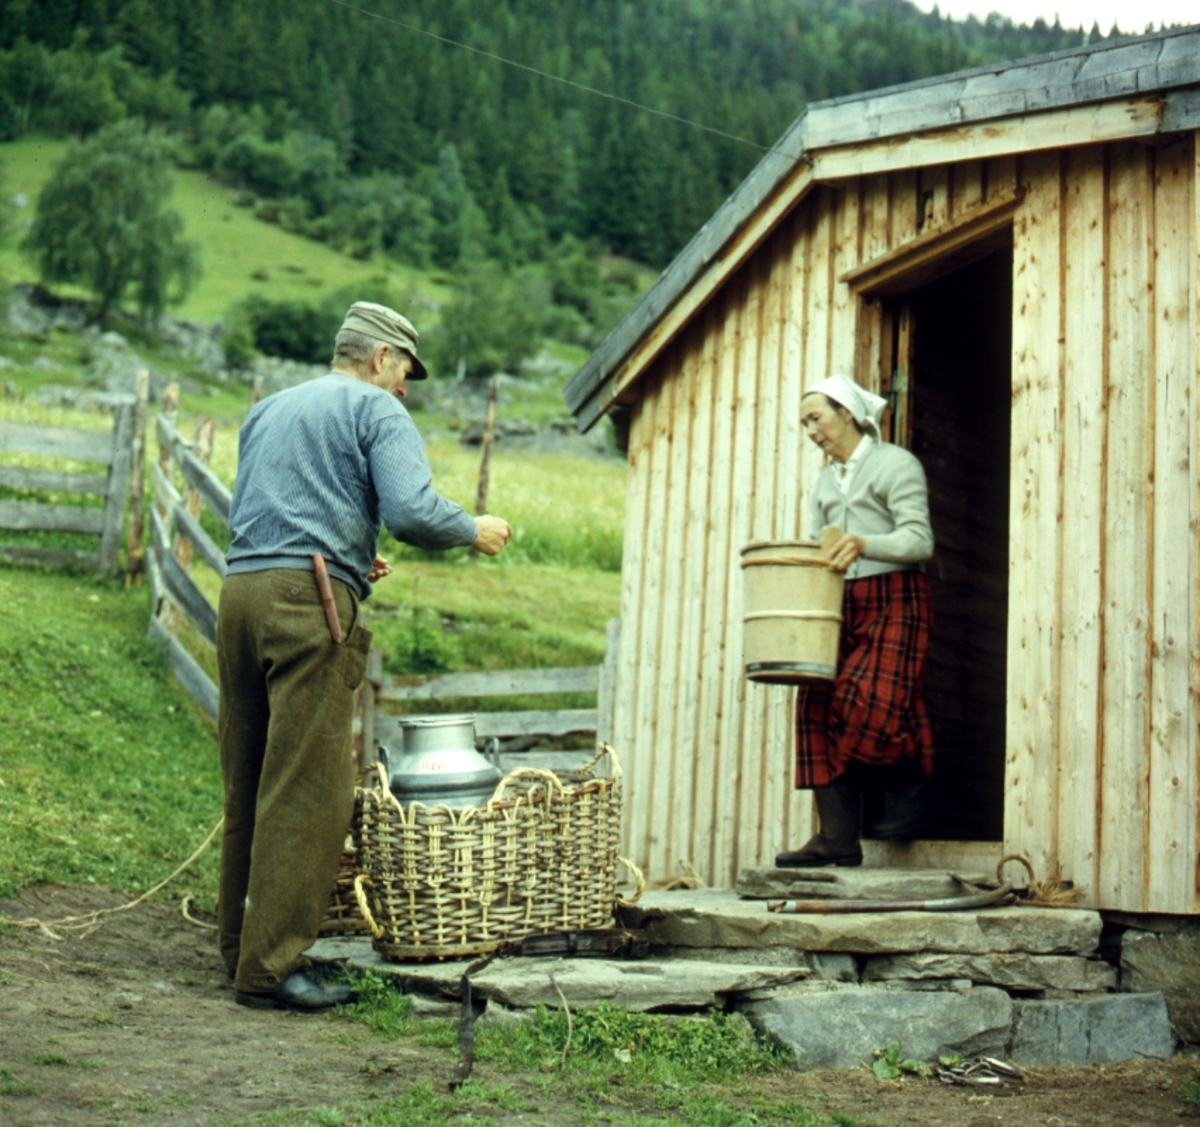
111, 449
380, 728
176, 537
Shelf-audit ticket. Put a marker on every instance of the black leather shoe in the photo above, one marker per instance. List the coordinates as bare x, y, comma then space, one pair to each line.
299, 992
816, 855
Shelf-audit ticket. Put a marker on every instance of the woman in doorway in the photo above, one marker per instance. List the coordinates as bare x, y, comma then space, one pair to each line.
868, 728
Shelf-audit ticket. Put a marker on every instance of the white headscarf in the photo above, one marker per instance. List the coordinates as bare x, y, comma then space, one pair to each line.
865, 406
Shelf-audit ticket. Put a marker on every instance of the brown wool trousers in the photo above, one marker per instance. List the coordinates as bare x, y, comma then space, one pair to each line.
287, 699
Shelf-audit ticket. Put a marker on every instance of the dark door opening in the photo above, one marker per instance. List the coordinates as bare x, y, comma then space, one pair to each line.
956, 334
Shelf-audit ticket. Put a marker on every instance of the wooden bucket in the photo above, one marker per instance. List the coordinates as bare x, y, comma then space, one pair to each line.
792, 611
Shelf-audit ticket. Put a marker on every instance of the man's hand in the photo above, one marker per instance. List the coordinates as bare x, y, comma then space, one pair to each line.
379, 569
846, 551
494, 533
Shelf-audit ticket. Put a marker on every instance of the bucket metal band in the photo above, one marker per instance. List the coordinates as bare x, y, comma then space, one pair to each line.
811, 669
807, 615
789, 561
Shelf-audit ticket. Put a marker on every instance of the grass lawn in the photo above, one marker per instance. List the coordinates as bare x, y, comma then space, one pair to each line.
108, 773
91, 711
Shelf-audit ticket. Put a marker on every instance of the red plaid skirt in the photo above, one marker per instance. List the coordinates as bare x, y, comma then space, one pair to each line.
874, 710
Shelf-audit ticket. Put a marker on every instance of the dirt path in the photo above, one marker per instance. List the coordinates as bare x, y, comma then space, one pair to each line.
137, 1023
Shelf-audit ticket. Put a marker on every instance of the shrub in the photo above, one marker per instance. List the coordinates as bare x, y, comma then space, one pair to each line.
293, 330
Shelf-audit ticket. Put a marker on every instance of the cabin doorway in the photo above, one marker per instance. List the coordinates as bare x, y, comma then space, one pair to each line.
951, 390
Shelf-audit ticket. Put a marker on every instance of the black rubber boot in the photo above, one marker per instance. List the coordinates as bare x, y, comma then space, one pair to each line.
904, 805
840, 811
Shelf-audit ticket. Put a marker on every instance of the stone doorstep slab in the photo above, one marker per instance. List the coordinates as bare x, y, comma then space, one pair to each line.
640, 985
841, 1026
853, 884
1014, 970
720, 918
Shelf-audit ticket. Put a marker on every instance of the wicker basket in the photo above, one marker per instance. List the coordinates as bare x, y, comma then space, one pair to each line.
342, 916
540, 856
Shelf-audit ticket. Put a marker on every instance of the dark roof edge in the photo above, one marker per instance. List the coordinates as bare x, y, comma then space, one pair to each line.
775, 165
1123, 68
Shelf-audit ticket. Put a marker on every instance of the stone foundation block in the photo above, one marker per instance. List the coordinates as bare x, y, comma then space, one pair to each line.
841, 1026
1093, 1031
1170, 963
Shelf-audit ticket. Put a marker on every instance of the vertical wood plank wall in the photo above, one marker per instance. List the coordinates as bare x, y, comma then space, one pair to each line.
1101, 778
1104, 619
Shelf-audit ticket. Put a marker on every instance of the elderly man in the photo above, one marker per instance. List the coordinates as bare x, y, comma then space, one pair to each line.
321, 467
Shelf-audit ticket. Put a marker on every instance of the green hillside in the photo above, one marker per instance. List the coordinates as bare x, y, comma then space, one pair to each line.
240, 254
380, 131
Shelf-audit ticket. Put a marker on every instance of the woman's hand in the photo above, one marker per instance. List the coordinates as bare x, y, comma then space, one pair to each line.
846, 551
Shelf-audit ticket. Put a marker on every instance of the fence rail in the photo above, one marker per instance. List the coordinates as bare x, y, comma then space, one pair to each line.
112, 449
176, 534
379, 727
175, 593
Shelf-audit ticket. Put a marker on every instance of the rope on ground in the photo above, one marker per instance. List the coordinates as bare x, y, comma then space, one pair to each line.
1051, 893
190, 899
570, 1025
687, 878
90, 921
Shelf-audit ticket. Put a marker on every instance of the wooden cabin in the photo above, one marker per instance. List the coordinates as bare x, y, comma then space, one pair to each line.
1012, 255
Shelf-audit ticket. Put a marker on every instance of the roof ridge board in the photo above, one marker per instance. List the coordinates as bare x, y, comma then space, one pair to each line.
1028, 61
1150, 63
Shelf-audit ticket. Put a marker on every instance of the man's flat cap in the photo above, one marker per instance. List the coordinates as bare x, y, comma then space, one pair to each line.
388, 326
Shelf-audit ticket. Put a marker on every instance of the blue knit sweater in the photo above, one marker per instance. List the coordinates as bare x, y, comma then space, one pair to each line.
321, 468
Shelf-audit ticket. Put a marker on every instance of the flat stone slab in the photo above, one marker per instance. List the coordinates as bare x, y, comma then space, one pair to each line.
641, 985
356, 949
720, 918
853, 884
1102, 1030
1171, 963
1015, 970
841, 1026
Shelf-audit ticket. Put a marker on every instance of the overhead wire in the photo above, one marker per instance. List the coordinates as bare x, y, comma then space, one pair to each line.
552, 77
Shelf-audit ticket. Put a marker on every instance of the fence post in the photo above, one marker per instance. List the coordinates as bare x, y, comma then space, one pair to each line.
489, 432
134, 552
108, 557
606, 694
192, 501
170, 412
368, 754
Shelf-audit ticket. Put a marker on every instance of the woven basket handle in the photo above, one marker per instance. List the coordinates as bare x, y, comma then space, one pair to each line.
364, 907
638, 875
548, 777
605, 749
385, 788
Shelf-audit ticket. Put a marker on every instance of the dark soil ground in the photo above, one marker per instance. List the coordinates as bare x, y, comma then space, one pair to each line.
136, 1023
